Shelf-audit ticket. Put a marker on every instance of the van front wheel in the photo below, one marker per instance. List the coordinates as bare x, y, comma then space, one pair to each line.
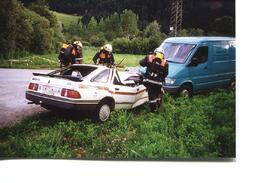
185, 91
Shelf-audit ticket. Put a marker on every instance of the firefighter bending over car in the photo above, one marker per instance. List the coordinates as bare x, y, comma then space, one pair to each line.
104, 56
156, 72
70, 54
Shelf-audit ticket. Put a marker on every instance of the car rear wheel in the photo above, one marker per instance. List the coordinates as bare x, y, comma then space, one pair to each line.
103, 111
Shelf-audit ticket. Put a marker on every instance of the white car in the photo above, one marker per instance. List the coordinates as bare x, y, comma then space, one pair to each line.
87, 87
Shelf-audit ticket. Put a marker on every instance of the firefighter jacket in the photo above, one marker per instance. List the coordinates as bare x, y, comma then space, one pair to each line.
156, 69
62, 51
103, 57
73, 55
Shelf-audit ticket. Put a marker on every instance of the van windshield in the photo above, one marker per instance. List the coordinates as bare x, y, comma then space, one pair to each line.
177, 52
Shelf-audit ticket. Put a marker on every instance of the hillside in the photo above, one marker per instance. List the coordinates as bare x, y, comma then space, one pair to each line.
67, 19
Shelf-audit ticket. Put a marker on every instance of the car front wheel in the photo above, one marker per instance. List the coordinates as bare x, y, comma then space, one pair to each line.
103, 112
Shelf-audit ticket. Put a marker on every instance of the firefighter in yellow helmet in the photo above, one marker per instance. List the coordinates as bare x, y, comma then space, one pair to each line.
154, 77
104, 56
71, 54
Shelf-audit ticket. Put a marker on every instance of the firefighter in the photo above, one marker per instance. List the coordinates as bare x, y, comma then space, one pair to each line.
72, 54
104, 56
154, 77
61, 54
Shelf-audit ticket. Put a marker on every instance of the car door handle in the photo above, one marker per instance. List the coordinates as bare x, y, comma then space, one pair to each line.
117, 89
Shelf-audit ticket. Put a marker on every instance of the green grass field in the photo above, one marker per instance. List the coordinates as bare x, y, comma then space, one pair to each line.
50, 61
199, 127
66, 19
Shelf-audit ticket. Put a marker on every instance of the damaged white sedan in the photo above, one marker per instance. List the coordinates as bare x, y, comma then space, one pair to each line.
87, 87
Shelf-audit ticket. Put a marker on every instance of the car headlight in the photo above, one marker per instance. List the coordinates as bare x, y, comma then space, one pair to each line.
169, 81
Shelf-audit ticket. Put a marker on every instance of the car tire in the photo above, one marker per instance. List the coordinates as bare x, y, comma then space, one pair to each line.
103, 111
185, 91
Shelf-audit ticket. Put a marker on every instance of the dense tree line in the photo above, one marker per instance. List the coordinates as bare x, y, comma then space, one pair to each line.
133, 26
32, 29
196, 13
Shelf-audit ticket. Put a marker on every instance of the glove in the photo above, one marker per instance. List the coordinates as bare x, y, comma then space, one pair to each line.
162, 90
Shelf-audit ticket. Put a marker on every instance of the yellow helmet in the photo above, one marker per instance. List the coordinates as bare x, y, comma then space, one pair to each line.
159, 53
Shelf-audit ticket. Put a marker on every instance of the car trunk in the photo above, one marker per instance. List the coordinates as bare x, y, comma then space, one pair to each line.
53, 85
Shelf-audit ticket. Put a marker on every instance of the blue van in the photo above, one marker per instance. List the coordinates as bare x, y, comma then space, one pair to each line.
199, 63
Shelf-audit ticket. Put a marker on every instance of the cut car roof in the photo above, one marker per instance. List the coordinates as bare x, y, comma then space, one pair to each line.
195, 40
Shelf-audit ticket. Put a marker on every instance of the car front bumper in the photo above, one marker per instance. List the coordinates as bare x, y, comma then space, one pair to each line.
61, 103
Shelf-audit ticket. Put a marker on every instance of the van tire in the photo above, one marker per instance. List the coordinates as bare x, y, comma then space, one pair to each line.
185, 91
232, 85
103, 111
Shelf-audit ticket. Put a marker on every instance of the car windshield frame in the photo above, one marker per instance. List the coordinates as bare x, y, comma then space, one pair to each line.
177, 52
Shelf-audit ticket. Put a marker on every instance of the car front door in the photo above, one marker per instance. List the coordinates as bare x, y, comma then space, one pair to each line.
124, 95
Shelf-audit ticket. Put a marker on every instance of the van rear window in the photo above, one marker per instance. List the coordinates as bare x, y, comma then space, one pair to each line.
177, 52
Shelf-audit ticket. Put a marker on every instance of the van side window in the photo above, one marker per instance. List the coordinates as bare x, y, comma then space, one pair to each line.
201, 55
221, 52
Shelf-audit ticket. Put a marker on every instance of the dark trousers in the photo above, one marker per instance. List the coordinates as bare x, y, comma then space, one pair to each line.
155, 96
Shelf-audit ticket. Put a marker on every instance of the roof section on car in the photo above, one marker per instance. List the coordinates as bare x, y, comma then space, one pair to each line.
195, 40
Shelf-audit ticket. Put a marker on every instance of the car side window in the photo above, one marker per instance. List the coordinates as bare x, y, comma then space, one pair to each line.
102, 77
116, 81
201, 55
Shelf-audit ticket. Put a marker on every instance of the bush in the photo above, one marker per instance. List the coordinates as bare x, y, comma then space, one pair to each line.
121, 45
97, 40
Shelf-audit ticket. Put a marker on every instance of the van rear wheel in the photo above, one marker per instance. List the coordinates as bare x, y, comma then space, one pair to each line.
232, 85
185, 91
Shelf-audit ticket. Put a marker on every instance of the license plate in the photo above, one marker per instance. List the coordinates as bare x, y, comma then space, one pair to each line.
49, 90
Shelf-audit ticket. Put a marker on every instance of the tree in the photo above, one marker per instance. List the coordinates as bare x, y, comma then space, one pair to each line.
153, 33
92, 26
8, 14
129, 23
191, 32
113, 27
223, 26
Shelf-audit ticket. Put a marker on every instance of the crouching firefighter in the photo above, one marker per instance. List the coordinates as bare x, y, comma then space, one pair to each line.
156, 72
104, 56
72, 54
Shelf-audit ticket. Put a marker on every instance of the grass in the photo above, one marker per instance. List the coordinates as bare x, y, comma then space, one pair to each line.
50, 61
200, 127
67, 19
